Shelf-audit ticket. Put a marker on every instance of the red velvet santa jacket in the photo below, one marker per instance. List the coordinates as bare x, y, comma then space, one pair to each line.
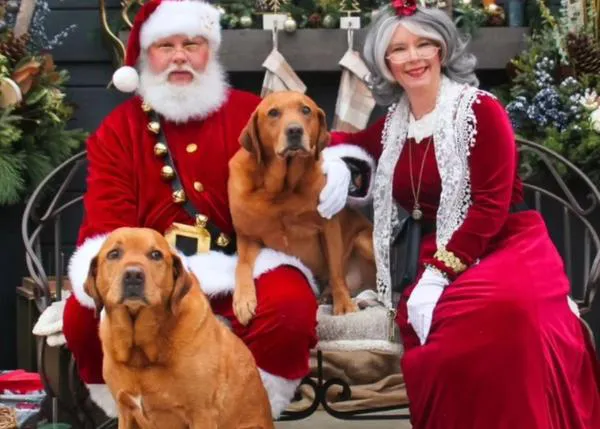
495, 183
125, 187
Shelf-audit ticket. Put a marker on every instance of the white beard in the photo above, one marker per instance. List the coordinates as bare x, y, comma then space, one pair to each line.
204, 95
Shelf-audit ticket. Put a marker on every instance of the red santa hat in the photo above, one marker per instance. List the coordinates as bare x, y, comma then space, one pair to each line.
158, 19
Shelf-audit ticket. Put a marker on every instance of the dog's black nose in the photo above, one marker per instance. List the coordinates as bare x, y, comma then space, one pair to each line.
133, 282
294, 131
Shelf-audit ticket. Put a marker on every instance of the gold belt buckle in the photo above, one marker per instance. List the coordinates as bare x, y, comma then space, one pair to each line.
181, 235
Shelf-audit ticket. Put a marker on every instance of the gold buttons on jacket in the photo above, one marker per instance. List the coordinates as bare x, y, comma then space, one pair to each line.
160, 149
167, 172
199, 187
179, 196
191, 148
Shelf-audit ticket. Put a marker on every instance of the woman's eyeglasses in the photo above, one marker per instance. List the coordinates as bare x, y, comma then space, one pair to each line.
422, 52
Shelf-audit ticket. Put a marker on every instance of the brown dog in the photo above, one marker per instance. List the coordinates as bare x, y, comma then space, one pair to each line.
274, 185
167, 360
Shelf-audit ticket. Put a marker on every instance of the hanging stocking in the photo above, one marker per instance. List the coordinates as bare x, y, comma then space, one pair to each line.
355, 101
279, 75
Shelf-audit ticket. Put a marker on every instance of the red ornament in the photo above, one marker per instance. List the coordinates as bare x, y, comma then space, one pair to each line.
404, 7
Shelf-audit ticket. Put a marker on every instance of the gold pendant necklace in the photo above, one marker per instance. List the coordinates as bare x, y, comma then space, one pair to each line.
417, 213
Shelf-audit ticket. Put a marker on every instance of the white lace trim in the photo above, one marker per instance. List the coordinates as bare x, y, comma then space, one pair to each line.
454, 135
420, 129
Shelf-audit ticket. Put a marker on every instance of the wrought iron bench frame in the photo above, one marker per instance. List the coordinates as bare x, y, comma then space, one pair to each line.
72, 395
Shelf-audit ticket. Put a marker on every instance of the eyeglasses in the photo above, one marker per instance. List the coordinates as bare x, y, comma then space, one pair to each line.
422, 52
187, 48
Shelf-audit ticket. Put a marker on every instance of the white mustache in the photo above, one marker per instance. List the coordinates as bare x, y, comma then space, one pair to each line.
175, 68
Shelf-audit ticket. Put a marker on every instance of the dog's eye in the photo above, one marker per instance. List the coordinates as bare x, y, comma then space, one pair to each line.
273, 113
156, 255
306, 110
113, 254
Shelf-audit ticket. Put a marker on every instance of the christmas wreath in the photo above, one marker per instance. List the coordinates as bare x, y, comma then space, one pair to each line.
34, 113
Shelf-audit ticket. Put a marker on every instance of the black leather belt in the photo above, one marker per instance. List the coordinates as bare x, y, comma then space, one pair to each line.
184, 237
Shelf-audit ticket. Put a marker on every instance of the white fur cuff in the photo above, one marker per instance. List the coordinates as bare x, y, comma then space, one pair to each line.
79, 267
216, 271
280, 391
192, 18
101, 396
344, 150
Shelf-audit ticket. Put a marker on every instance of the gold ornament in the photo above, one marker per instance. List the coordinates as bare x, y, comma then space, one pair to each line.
191, 148
290, 25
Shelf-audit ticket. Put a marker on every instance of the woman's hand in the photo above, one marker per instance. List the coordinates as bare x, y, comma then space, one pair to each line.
423, 300
334, 195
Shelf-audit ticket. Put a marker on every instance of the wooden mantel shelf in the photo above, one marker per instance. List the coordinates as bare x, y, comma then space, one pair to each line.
321, 49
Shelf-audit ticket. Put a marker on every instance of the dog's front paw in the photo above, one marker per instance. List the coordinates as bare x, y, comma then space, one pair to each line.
343, 306
244, 302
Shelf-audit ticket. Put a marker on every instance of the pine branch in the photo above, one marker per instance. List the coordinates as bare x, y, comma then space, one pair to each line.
12, 183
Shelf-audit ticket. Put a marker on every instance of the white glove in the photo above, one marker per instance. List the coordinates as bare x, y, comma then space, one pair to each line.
50, 323
423, 300
335, 192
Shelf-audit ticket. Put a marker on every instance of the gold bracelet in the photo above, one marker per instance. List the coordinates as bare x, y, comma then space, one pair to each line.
450, 260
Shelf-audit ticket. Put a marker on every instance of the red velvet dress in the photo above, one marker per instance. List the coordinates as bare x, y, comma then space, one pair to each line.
504, 351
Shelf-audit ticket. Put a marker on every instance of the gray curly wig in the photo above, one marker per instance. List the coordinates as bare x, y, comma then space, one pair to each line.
433, 24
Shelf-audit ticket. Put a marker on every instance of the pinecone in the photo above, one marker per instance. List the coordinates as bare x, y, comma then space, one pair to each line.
14, 48
584, 53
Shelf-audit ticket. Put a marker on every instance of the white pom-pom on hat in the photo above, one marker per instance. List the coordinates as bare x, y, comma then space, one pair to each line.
126, 79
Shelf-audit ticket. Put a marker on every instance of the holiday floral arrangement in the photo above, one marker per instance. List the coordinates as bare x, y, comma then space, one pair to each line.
552, 97
34, 114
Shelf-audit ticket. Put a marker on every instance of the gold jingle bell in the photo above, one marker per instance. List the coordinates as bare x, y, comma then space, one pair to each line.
179, 196
160, 149
154, 127
222, 240
167, 172
201, 220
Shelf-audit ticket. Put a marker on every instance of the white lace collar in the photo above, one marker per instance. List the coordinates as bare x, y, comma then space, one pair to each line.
420, 129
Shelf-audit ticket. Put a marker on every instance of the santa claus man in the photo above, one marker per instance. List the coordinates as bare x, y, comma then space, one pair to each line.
160, 160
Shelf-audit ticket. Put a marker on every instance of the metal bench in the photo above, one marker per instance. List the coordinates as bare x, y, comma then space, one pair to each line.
573, 215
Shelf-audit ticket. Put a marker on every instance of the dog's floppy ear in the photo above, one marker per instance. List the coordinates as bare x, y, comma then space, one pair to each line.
250, 140
90, 286
323, 136
182, 283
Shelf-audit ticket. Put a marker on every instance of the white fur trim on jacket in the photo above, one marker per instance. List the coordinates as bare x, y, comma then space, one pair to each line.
216, 271
79, 266
188, 17
101, 396
345, 150
280, 391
